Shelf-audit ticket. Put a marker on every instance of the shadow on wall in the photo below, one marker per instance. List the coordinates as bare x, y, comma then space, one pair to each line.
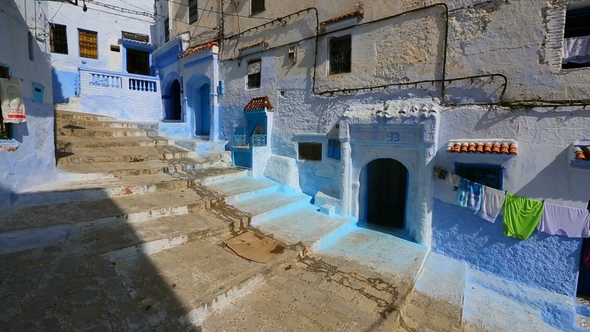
62, 272
541, 261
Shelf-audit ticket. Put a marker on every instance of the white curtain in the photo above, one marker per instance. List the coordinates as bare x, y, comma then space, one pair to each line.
576, 49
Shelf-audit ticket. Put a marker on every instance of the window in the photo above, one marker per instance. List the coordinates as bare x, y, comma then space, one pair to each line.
88, 44
257, 6
58, 39
166, 29
488, 175
576, 38
254, 74
334, 149
5, 128
340, 54
193, 11
310, 151
138, 62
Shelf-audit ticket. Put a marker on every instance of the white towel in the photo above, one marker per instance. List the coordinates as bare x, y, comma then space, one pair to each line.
493, 201
13, 105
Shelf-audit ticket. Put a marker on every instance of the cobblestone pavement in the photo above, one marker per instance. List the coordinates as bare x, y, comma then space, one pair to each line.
313, 295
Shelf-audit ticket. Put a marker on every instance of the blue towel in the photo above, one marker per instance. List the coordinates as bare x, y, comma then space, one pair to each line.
469, 194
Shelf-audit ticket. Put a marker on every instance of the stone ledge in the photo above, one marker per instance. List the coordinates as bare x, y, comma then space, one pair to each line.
9, 145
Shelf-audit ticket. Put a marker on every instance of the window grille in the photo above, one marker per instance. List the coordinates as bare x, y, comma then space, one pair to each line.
310, 151
340, 55
488, 175
257, 6
254, 74
88, 44
58, 39
193, 11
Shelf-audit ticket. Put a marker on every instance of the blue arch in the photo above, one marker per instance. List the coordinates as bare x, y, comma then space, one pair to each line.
198, 104
172, 98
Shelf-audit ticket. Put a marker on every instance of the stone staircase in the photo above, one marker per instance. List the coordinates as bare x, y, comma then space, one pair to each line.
132, 238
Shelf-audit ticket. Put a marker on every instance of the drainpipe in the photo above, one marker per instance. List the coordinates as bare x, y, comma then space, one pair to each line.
345, 177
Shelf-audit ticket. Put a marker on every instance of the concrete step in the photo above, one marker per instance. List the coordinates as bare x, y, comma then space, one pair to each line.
87, 190
264, 207
132, 208
71, 130
243, 188
105, 124
199, 277
304, 225
122, 154
69, 143
64, 114
121, 169
203, 147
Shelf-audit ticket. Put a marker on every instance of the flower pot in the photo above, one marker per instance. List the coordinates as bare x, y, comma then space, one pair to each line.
586, 150
487, 147
504, 148
496, 148
580, 155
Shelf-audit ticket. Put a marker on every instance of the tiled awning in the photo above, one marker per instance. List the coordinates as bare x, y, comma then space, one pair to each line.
489, 146
198, 49
259, 103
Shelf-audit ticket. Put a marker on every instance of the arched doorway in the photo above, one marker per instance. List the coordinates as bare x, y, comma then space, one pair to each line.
174, 112
202, 109
385, 193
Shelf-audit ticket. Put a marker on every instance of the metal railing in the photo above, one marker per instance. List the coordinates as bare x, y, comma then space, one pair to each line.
242, 141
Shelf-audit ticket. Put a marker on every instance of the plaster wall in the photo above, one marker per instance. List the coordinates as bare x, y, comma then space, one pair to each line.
108, 23
29, 159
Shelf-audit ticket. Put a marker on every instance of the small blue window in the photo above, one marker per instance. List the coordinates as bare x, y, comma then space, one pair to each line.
334, 149
489, 175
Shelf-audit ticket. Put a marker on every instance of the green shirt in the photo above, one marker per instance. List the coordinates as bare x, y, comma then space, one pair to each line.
521, 216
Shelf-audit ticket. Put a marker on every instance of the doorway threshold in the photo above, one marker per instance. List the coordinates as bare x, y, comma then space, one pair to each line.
397, 232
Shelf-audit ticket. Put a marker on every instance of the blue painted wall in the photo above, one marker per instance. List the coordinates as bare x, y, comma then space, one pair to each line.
542, 261
65, 85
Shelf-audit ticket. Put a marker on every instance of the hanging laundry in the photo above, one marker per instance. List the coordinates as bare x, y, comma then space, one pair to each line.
521, 216
491, 206
448, 192
469, 194
453, 180
566, 221
13, 105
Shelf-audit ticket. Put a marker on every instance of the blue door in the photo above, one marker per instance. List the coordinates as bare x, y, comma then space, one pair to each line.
203, 111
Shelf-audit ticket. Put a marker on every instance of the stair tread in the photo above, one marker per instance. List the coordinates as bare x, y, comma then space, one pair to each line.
305, 225
241, 185
20, 218
265, 203
88, 139
132, 181
102, 238
104, 129
197, 276
141, 165
121, 152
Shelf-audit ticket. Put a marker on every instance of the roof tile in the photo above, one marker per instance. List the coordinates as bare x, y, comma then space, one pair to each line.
356, 13
198, 49
489, 147
259, 103
582, 152
253, 45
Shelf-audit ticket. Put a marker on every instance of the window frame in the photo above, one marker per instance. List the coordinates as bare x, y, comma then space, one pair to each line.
331, 70
310, 155
258, 10
6, 130
52, 39
249, 76
573, 17
193, 11
460, 169
80, 42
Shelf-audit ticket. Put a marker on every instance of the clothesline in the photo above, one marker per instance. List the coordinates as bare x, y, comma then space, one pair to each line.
521, 215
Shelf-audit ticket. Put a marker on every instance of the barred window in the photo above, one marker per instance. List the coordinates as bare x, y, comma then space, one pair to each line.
254, 74
310, 151
88, 44
58, 39
257, 6
166, 29
488, 175
193, 11
340, 54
